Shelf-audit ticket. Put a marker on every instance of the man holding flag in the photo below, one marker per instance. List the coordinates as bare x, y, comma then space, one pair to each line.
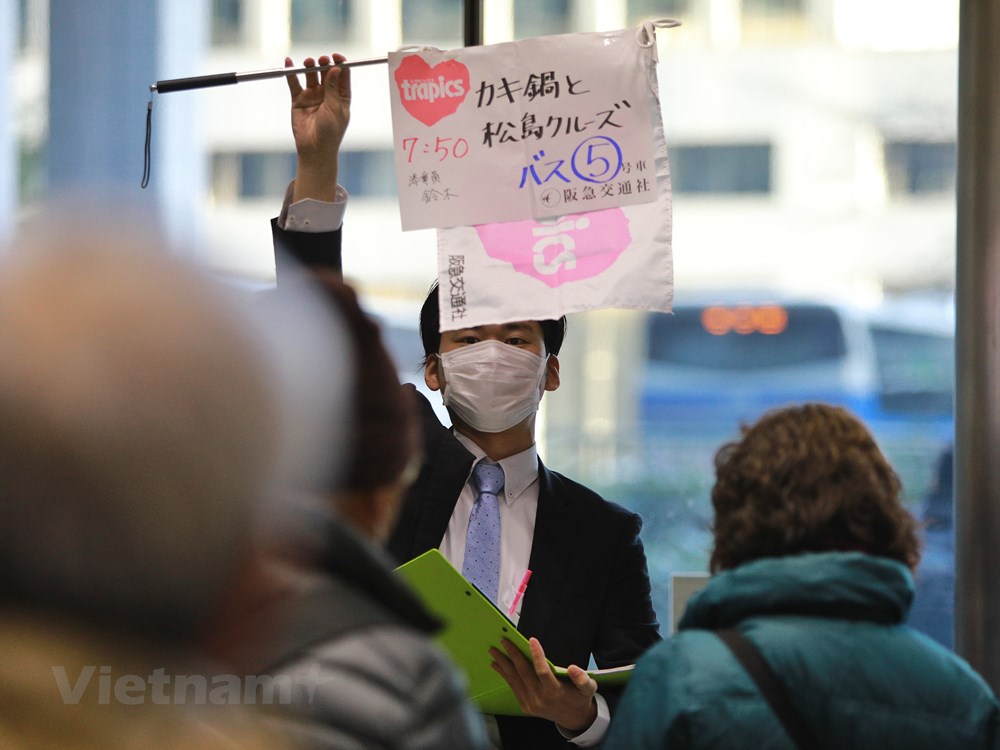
483, 497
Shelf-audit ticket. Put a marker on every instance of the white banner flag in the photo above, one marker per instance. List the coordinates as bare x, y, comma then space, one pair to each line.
532, 129
541, 269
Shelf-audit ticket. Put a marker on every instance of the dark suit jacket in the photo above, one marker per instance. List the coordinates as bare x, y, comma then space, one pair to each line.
589, 591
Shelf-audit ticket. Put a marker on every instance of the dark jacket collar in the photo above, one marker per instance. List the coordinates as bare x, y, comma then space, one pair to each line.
358, 563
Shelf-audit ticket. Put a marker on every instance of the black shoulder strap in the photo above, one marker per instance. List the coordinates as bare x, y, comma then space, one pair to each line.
771, 688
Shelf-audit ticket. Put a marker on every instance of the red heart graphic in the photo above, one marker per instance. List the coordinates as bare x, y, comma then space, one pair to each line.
430, 94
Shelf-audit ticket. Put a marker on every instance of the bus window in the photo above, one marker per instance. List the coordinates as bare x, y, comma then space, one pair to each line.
742, 337
916, 370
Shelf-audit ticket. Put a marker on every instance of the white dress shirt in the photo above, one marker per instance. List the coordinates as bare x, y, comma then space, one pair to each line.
517, 520
311, 215
517, 530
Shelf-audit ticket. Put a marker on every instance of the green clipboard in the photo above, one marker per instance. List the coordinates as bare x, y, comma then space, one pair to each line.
472, 624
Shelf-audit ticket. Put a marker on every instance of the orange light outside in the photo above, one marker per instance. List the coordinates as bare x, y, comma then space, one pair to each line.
716, 320
769, 320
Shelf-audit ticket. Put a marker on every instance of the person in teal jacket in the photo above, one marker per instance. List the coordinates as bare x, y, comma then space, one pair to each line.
812, 556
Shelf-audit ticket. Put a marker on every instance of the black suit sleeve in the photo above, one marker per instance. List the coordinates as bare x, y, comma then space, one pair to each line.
311, 249
628, 624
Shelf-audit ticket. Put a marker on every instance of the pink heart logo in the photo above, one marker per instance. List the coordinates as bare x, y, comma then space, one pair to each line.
577, 246
431, 94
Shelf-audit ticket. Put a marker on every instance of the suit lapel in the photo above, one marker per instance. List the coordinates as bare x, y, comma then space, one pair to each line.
424, 517
550, 556
438, 492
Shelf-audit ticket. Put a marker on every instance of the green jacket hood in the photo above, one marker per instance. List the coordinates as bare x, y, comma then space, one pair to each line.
850, 585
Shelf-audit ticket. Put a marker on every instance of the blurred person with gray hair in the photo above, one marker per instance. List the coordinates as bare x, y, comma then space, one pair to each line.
141, 428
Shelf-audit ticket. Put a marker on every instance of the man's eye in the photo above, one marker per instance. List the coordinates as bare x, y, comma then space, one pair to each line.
468, 340
516, 341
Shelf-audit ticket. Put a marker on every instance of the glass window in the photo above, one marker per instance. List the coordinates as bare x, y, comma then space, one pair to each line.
368, 173
433, 21
265, 174
255, 174
227, 22
321, 21
22, 24
774, 21
774, 8
734, 168
914, 167
646, 399
31, 24
642, 10
709, 368
533, 18
916, 370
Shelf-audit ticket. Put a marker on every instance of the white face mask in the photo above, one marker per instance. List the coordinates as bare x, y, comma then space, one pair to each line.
492, 386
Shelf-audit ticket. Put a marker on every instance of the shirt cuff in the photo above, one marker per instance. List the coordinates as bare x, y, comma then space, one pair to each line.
594, 734
310, 215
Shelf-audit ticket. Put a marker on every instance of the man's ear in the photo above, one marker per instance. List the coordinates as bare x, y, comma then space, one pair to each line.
431, 373
552, 372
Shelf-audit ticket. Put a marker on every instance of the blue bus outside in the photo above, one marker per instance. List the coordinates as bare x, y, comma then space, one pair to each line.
726, 359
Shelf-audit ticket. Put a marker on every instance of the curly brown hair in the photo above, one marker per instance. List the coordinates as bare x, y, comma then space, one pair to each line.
807, 478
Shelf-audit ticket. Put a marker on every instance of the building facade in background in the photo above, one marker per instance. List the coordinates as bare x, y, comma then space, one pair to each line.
812, 152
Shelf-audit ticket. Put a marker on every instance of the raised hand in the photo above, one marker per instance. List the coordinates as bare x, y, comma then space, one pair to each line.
321, 111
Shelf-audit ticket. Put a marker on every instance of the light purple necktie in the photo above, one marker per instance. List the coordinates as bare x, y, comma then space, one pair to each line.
482, 542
